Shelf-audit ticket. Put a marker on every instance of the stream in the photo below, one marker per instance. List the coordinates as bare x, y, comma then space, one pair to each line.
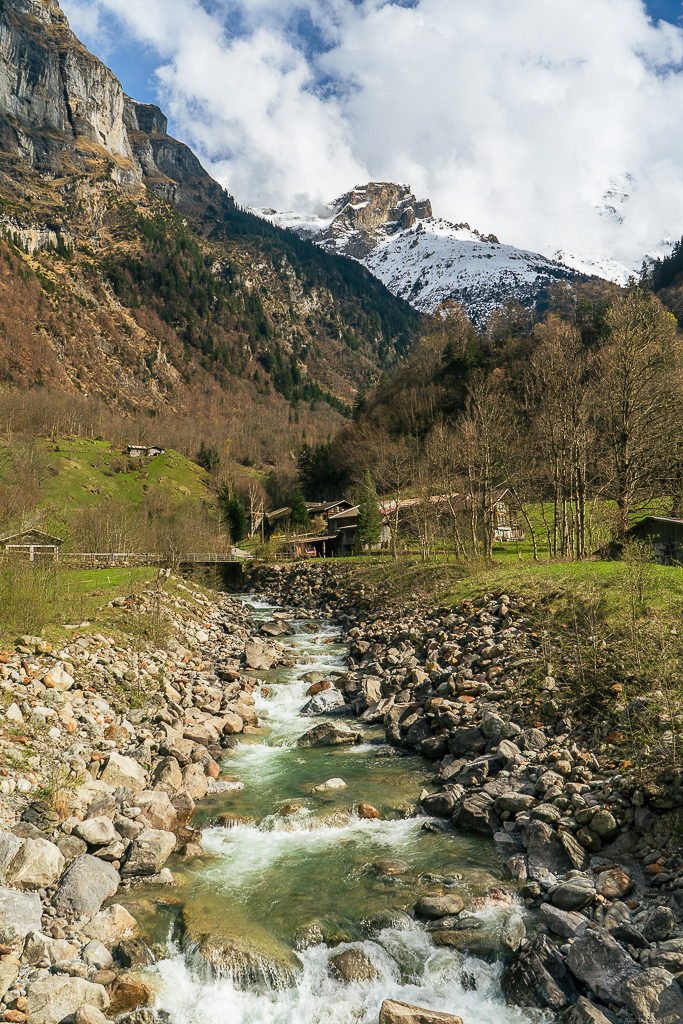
271, 875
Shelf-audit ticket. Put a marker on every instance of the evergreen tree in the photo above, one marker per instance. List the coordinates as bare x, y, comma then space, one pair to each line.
299, 515
369, 516
234, 513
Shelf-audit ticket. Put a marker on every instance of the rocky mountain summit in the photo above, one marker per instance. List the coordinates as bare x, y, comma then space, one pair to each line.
427, 260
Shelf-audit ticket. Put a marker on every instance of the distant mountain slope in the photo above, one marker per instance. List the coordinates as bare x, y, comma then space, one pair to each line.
128, 272
426, 260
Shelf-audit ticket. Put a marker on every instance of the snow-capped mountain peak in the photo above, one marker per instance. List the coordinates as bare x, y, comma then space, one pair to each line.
427, 260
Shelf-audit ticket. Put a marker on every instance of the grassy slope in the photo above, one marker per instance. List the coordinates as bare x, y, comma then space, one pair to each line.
89, 471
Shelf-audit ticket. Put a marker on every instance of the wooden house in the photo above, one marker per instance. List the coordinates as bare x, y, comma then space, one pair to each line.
33, 545
665, 537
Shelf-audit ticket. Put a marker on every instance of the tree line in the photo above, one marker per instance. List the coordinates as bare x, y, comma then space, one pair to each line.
578, 416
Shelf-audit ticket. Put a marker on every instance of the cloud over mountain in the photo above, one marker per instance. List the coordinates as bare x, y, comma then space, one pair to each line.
549, 124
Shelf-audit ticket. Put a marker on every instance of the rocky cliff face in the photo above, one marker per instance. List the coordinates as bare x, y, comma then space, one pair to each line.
368, 214
62, 112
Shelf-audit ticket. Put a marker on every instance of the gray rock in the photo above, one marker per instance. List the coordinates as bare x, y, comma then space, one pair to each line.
20, 913
566, 923
322, 702
85, 885
71, 847
514, 802
601, 964
52, 999
573, 895
538, 978
96, 831
659, 925
583, 1012
439, 906
443, 803
9, 846
547, 813
149, 852
466, 741
476, 813
654, 997
671, 962
545, 852
167, 776
605, 825
124, 771
352, 965
96, 955
259, 657
376, 923
576, 853
36, 864
513, 933
533, 739
328, 734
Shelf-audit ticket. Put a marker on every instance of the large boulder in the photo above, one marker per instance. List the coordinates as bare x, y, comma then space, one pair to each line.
583, 1012
9, 847
352, 965
36, 864
52, 999
110, 925
601, 964
20, 913
158, 809
326, 700
537, 977
259, 657
328, 734
85, 885
167, 776
149, 852
195, 781
475, 813
434, 907
574, 894
41, 947
654, 997
545, 852
96, 831
467, 741
566, 923
403, 1013
124, 771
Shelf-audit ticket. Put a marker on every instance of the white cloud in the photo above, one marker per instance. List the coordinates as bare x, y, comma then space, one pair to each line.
517, 117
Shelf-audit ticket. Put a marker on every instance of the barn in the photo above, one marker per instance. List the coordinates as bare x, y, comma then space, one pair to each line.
33, 545
665, 536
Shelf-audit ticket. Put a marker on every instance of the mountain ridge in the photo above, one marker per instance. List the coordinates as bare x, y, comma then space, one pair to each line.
428, 260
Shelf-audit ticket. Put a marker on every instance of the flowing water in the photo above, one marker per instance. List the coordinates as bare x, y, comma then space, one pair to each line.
272, 874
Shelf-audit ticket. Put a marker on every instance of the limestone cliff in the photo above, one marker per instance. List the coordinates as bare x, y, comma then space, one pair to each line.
62, 113
369, 213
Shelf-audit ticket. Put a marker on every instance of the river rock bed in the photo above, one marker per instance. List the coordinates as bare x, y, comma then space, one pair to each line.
592, 853
595, 851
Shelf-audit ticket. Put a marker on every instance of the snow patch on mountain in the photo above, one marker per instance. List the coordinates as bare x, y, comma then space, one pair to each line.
427, 260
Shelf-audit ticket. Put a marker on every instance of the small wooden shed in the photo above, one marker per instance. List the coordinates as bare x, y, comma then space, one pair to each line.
33, 545
665, 536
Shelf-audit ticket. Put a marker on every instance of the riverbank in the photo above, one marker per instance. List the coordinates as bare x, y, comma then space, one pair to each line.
483, 694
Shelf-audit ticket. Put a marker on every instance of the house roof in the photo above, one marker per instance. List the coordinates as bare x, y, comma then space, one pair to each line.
46, 537
656, 519
348, 513
322, 506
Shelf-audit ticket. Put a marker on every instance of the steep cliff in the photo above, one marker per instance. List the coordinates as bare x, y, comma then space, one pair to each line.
130, 273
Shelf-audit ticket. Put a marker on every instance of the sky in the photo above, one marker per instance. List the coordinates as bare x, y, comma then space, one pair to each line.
555, 124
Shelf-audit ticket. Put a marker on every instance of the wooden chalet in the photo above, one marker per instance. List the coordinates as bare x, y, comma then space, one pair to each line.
33, 545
